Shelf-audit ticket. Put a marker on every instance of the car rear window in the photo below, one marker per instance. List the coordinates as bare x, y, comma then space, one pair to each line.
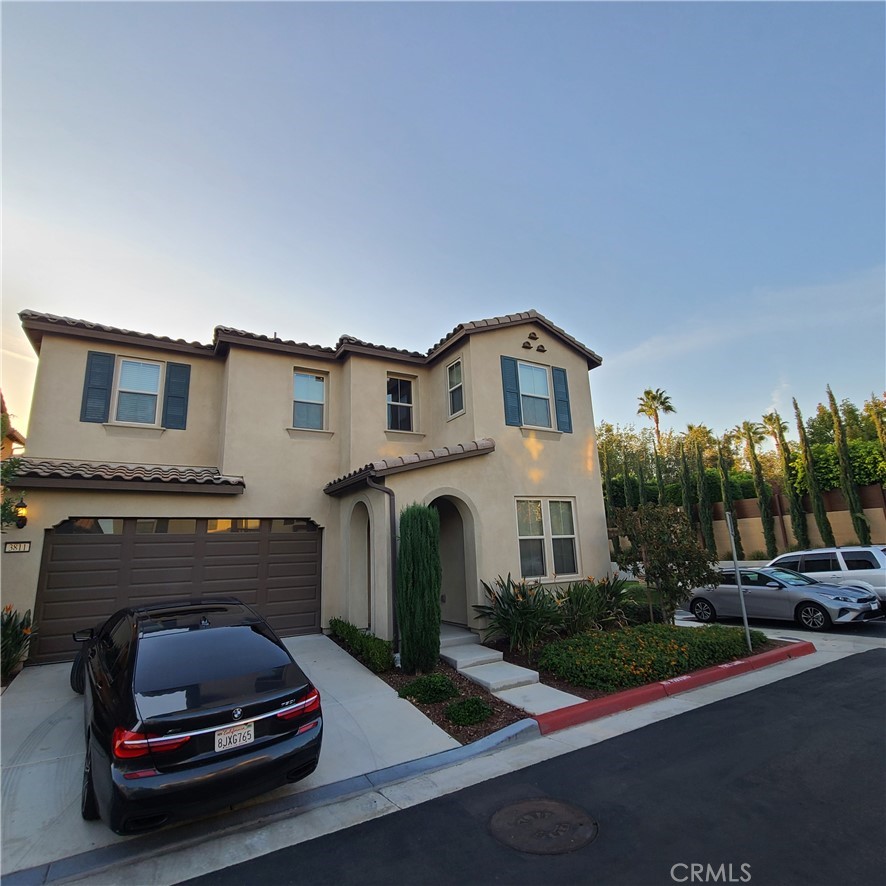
179, 658
860, 560
819, 563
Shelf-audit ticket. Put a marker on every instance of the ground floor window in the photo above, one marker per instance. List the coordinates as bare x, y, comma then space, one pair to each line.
546, 537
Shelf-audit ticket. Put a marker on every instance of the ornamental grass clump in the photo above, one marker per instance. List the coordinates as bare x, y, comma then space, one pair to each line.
524, 614
611, 660
16, 632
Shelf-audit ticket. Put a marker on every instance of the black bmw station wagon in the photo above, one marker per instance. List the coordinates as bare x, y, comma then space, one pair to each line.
189, 707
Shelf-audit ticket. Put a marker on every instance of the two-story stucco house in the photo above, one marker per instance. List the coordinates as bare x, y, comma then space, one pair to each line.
275, 470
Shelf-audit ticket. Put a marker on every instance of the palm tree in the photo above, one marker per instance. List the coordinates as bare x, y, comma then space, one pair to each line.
700, 436
652, 405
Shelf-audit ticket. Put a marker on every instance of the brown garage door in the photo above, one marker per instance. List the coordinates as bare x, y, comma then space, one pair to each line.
93, 566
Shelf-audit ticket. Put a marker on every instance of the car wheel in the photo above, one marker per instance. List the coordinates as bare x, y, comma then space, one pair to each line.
88, 804
812, 617
78, 673
703, 611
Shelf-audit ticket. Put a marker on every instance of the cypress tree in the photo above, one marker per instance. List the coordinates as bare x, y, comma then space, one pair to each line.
625, 476
795, 500
818, 508
705, 515
419, 576
728, 500
752, 430
686, 486
641, 481
659, 480
610, 507
850, 490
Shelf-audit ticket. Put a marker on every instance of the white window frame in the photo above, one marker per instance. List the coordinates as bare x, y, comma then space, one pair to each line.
161, 382
450, 388
413, 411
549, 397
548, 537
313, 373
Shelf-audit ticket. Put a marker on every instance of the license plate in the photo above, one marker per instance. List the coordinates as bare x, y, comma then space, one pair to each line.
234, 736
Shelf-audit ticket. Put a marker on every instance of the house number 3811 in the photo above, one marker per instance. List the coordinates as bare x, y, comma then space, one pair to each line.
17, 547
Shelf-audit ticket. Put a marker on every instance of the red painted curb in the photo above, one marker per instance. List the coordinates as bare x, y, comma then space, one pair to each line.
631, 698
598, 707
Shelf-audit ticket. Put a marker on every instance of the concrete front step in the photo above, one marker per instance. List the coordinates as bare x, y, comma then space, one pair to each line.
469, 655
500, 675
450, 635
536, 698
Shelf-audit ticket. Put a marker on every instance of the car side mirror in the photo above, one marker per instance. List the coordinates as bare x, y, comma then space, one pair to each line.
772, 584
84, 635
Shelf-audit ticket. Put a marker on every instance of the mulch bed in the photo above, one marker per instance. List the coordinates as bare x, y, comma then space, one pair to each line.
503, 713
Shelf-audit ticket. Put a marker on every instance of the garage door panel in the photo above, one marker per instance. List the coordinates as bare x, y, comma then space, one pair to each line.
86, 578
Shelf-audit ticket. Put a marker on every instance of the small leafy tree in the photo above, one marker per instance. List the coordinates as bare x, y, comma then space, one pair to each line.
665, 554
606, 455
419, 576
728, 500
8, 469
850, 490
705, 514
818, 508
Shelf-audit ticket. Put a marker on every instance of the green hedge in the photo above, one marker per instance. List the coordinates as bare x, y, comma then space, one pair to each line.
468, 711
430, 689
612, 660
374, 652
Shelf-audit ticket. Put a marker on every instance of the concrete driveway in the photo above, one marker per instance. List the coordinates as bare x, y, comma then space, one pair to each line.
366, 728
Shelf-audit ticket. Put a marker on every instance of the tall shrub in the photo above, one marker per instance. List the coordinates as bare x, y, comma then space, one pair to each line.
847, 484
753, 435
818, 508
630, 502
419, 578
705, 515
606, 455
776, 428
729, 500
686, 486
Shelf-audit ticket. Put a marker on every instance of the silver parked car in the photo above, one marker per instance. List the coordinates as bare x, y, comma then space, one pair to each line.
784, 594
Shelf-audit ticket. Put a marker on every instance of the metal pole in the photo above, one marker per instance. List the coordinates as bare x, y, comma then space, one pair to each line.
744, 613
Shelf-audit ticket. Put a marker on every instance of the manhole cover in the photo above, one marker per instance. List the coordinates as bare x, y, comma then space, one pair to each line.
543, 827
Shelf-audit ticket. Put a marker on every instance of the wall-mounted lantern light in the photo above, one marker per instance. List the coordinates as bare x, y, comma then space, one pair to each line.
21, 514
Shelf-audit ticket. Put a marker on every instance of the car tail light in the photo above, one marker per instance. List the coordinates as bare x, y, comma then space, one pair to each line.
309, 704
128, 745
308, 727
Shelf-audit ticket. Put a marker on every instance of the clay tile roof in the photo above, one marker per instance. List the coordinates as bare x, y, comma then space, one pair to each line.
37, 469
512, 320
397, 464
254, 336
34, 322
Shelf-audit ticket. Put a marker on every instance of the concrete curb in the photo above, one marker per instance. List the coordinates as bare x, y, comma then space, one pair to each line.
587, 711
135, 849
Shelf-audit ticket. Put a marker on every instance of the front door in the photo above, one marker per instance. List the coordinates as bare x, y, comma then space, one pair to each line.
453, 595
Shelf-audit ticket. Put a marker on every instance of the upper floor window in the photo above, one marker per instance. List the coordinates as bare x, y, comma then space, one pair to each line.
456, 387
137, 391
535, 396
400, 404
309, 401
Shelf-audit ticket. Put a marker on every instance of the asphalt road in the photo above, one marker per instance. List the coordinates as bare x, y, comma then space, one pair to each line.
787, 784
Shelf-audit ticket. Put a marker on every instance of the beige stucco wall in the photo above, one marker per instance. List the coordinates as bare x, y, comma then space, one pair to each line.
55, 429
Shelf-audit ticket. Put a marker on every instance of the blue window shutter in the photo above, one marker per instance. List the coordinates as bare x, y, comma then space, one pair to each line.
511, 387
175, 396
96, 403
561, 400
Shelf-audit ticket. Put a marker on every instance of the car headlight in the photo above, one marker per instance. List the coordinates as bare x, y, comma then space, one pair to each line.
840, 599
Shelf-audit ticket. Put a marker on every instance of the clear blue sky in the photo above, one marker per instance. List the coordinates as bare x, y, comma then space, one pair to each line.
695, 191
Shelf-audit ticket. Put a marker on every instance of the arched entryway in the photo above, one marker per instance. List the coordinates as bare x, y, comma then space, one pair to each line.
360, 571
453, 558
